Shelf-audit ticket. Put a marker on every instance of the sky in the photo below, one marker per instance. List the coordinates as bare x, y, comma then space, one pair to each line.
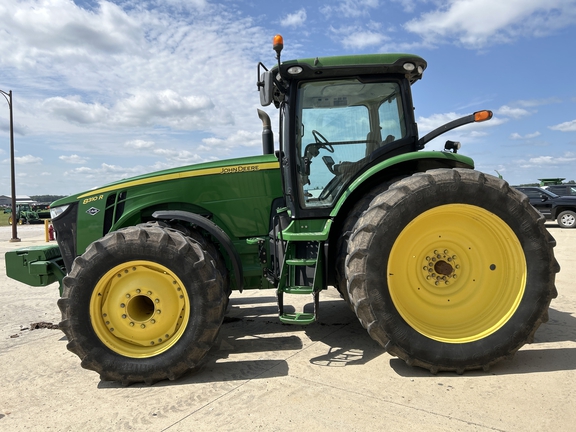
105, 90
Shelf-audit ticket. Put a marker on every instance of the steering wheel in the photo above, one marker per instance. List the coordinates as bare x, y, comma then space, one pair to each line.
320, 139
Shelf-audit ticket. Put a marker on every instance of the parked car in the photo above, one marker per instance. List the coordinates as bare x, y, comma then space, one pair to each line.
562, 190
552, 206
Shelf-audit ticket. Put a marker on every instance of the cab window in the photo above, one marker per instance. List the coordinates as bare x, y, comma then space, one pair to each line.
340, 123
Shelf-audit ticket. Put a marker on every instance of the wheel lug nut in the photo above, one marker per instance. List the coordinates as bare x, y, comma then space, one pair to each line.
123, 316
122, 305
131, 324
143, 326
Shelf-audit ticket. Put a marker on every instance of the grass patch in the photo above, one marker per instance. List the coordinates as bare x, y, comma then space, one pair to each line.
4, 218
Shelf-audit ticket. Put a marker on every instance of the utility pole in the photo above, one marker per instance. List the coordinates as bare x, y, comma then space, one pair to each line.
8, 97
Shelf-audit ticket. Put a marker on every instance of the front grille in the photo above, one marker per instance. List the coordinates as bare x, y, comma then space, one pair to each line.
114, 209
65, 228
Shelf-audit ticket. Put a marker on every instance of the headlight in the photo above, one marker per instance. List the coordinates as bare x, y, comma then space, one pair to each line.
57, 211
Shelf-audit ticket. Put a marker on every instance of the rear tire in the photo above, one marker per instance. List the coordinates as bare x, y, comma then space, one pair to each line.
142, 304
567, 219
342, 243
451, 270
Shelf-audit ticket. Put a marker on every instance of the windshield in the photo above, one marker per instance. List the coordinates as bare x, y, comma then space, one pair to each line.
340, 123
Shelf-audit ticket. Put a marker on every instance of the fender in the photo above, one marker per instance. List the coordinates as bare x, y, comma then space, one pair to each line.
454, 158
215, 231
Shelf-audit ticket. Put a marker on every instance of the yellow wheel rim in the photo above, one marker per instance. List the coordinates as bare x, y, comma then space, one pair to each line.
456, 273
139, 309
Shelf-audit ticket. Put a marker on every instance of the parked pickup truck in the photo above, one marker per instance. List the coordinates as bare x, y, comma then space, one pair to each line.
552, 206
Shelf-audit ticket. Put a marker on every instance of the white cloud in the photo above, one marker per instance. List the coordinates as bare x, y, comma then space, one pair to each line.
241, 138
478, 23
350, 8
516, 113
73, 159
296, 19
165, 107
517, 136
180, 157
538, 102
61, 29
549, 161
569, 126
27, 160
407, 5
104, 173
139, 144
363, 39
72, 109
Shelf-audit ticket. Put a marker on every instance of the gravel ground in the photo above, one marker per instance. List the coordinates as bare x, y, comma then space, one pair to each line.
263, 375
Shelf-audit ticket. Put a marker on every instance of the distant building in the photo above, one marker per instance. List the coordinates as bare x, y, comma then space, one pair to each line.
6, 200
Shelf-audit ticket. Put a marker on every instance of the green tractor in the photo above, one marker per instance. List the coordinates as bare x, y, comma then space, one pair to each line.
25, 214
447, 268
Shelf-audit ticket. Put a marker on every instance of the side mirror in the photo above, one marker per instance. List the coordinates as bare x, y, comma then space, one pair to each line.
266, 88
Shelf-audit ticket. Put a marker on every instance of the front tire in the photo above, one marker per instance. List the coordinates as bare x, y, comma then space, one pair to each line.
451, 270
142, 304
567, 219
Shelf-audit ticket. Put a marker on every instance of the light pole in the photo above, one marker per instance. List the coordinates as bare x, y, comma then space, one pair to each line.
8, 97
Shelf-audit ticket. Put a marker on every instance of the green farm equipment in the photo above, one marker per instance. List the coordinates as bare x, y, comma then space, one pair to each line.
24, 214
446, 267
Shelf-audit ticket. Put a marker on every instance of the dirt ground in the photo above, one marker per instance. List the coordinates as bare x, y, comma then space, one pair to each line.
263, 375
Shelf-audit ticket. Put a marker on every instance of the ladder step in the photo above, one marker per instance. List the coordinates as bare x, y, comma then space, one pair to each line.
298, 290
299, 318
301, 262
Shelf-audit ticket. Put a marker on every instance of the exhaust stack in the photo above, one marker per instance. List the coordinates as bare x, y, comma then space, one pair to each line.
267, 134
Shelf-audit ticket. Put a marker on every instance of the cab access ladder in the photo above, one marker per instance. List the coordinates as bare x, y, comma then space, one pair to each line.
303, 267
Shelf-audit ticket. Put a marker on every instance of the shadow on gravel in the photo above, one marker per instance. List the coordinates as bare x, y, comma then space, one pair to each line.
561, 327
524, 362
254, 344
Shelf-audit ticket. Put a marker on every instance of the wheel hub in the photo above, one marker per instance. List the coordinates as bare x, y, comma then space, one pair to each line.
440, 267
568, 220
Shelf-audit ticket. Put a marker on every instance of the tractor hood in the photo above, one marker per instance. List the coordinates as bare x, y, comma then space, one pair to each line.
228, 166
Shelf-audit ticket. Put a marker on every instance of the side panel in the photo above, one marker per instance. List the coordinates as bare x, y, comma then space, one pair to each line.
236, 197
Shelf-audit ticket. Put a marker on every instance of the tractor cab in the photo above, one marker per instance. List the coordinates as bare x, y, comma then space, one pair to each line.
338, 117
